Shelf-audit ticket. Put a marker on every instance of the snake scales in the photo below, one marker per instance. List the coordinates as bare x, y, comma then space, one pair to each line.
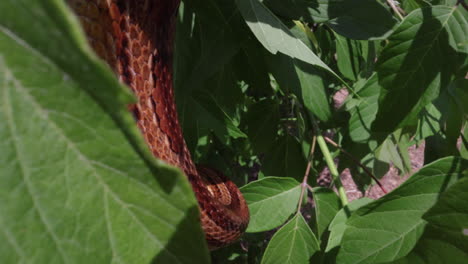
135, 37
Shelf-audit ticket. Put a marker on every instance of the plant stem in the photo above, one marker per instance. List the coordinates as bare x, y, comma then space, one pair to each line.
331, 165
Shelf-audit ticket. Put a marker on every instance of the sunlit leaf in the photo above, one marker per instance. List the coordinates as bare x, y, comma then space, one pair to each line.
373, 235
271, 201
294, 243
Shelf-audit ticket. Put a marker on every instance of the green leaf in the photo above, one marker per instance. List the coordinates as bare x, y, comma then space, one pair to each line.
271, 202
389, 228
348, 57
364, 110
305, 81
327, 204
356, 19
446, 237
294, 243
78, 183
390, 152
423, 53
275, 36
338, 224
429, 122
437, 246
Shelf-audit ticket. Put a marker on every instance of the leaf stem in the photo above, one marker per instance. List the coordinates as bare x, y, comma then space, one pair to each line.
304, 184
391, 3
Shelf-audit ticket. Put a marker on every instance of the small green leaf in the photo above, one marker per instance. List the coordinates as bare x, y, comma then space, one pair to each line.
327, 204
271, 201
389, 228
294, 243
390, 151
429, 122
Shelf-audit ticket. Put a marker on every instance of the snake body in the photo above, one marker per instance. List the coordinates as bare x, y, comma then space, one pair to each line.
135, 37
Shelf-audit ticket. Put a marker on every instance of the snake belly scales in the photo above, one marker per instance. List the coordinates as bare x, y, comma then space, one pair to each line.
135, 37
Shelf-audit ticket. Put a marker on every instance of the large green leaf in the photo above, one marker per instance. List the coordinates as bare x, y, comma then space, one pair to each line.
275, 36
271, 201
390, 227
356, 19
78, 183
294, 243
423, 53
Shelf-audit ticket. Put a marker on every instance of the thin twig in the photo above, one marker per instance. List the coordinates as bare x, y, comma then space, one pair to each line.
394, 8
357, 162
306, 174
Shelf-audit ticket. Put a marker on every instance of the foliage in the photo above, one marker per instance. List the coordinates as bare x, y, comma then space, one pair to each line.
255, 86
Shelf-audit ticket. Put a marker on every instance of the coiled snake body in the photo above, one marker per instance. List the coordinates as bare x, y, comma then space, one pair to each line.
135, 37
